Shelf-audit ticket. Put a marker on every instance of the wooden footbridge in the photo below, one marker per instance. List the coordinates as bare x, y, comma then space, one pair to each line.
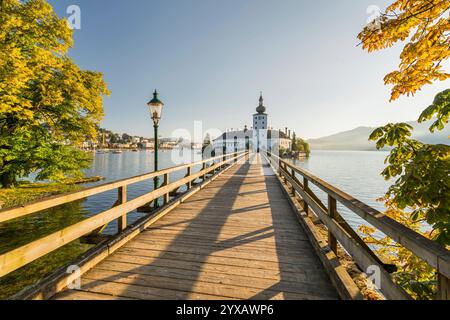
248, 227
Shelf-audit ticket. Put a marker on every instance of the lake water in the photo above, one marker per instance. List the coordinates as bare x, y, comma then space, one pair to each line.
357, 173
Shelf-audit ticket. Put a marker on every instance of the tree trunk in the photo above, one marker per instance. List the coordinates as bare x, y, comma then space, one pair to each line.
7, 180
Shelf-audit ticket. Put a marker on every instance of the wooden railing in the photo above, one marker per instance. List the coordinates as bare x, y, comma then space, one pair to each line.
340, 232
23, 255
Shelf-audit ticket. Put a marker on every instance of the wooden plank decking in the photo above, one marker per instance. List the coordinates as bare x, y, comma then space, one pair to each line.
236, 239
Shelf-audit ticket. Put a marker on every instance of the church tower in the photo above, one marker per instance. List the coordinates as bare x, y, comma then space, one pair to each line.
260, 126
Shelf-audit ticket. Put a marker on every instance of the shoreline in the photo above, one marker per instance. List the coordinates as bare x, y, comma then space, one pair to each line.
26, 192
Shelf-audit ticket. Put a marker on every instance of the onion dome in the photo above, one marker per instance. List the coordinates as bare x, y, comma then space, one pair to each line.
261, 109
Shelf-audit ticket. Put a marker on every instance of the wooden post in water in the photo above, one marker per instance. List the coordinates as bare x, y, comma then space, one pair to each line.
121, 199
332, 209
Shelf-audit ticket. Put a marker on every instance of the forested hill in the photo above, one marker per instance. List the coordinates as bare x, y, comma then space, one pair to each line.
357, 139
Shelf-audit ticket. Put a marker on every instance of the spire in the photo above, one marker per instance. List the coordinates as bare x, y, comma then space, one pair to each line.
261, 109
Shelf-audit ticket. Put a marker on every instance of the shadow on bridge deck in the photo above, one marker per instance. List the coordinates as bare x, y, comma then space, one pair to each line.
236, 239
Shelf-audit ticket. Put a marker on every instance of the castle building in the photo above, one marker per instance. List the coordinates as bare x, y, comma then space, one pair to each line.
259, 137
260, 126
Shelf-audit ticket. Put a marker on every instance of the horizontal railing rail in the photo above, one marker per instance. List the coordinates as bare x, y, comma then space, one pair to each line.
435, 255
21, 256
54, 201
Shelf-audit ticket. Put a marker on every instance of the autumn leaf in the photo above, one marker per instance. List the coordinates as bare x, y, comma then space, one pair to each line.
425, 25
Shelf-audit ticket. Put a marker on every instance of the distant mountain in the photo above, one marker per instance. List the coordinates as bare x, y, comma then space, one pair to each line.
358, 139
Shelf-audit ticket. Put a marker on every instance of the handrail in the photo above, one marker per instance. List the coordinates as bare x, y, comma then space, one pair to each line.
54, 201
21, 256
435, 255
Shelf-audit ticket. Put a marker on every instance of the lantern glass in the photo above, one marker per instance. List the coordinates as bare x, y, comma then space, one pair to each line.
155, 110
155, 107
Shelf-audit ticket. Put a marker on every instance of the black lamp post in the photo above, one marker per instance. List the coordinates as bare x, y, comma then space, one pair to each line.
155, 106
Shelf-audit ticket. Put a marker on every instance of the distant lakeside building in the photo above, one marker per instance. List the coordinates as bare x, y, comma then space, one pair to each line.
107, 139
258, 138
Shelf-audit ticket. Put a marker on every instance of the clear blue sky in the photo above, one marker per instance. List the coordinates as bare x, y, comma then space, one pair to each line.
209, 59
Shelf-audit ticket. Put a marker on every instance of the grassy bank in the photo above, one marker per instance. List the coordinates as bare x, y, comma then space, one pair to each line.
18, 232
27, 192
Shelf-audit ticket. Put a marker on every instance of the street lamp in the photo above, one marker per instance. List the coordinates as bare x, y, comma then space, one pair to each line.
155, 107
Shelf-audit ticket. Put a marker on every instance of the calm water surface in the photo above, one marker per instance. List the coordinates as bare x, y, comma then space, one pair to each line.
357, 173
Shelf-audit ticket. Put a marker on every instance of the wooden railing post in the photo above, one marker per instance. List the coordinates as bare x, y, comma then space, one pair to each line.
283, 167
203, 168
166, 182
443, 287
332, 212
218, 168
279, 166
305, 188
188, 174
121, 199
292, 185
224, 152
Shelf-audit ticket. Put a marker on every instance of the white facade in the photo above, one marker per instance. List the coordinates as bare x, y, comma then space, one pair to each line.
260, 120
147, 144
234, 140
257, 139
135, 140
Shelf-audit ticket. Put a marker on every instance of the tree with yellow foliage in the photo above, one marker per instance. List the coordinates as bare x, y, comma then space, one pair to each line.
425, 26
48, 106
421, 192
422, 170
